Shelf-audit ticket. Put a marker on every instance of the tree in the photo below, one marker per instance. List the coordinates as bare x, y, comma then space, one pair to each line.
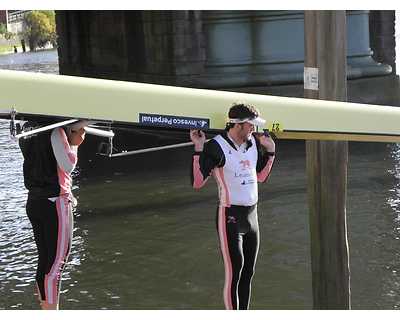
41, 28
3, 29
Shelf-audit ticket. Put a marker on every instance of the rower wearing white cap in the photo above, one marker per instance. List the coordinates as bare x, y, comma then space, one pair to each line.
238, 160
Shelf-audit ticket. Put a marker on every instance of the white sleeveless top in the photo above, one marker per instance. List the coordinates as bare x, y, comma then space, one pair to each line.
237, 179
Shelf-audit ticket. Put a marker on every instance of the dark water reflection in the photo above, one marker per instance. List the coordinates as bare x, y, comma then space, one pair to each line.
144, 239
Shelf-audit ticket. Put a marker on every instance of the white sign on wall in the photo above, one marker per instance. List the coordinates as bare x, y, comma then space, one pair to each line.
310, 78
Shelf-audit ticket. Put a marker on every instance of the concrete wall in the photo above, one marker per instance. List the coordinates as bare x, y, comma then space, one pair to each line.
169, 47
15, 27
382, 36
144, 46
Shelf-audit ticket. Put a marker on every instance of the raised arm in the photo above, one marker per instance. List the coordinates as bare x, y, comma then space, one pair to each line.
265, 159
205, 158
65, 151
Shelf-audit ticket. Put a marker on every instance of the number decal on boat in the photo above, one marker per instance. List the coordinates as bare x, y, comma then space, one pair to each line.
275, 127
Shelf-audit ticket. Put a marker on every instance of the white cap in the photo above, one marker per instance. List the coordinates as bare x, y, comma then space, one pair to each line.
255, 121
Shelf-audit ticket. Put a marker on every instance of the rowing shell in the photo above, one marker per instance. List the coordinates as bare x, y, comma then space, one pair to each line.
157, 106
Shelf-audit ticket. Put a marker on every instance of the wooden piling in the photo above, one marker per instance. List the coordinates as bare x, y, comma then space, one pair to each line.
325, 50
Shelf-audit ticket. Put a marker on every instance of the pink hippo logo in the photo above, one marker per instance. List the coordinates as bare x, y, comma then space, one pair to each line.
231, 219
246, 164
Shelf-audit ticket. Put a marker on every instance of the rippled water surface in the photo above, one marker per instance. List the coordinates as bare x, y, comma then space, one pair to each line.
41, 61
144, 239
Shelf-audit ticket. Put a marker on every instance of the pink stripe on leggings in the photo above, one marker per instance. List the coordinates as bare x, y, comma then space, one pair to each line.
53, 278
227, 293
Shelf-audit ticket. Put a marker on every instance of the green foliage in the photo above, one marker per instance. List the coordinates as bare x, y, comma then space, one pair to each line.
3, 28
41, 28
3, 31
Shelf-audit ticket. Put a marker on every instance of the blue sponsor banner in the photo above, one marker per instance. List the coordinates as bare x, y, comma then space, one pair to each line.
173, 121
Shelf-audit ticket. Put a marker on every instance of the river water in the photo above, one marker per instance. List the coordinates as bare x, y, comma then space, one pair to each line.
145, 240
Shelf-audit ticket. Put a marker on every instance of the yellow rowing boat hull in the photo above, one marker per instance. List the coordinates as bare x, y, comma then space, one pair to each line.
159, 106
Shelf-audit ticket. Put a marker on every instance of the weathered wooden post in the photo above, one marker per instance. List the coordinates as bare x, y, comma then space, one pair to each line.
325, 79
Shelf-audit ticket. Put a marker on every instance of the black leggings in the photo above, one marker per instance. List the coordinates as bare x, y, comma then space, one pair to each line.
239, 239
52, 227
